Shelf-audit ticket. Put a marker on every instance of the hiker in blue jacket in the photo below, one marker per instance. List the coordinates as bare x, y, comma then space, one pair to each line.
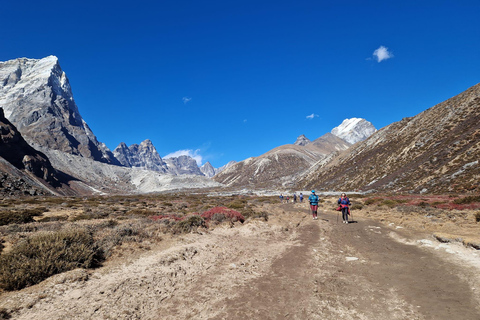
344, 202
313, 199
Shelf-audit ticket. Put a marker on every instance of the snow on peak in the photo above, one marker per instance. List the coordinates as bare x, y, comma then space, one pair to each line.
354, 130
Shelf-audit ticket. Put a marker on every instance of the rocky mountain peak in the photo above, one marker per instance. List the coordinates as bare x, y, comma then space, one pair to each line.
37, 98
354, 130
183, 165
302, 140
208, 170
140, 156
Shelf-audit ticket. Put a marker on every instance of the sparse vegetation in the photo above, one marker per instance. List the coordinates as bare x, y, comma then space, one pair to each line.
356, 206
4, 314
19, 216
477, 216
467, 200
45, 254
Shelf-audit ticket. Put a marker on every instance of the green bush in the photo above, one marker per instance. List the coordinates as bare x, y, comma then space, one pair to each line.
45, 254
189, 224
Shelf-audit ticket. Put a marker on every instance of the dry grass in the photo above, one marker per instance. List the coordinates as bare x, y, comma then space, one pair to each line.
45, 254
42, 236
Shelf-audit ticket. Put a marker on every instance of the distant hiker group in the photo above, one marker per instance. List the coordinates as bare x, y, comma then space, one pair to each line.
343, 204
286, 199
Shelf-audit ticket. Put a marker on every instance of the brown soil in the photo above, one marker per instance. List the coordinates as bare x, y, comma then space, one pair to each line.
291, 267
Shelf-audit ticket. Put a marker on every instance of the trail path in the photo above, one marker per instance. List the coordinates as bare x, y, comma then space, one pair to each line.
289, 268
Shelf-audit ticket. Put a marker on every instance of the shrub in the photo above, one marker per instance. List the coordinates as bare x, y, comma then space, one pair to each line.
370, 201
356, 206
4, 314
477, 216
231, 214
167, 216
423, 204
189, 224
466, 200
237, 204
45, 254
140, 212
389, 203
24, 216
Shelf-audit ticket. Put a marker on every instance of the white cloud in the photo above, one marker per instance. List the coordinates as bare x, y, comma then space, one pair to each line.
313, 115
382, 53
191, 153
186, 100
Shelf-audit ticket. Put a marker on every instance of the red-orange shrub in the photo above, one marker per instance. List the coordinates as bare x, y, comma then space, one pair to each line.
230, 214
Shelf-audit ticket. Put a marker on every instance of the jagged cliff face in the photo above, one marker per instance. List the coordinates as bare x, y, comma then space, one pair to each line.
140, 156
281, 166
208, 170
436, 151
183, 165
24, 170
37, 98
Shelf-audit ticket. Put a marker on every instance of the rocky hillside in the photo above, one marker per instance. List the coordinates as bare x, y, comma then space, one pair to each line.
280, 166
436, 151
37, 98
25, 170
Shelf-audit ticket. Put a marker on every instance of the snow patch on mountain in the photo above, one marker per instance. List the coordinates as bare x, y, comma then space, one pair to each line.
354, 130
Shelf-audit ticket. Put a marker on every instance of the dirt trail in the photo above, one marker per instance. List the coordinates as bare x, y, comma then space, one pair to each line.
289, 268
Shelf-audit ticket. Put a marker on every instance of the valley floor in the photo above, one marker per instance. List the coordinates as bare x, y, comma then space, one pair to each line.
291, 267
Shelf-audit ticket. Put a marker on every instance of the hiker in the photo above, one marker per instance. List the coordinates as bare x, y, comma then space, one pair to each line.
288, 199
344, 202
313, 199
281, 198
294, 198
301, 197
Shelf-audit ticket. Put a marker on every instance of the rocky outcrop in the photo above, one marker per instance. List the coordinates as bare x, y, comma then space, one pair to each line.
208, 170
37, 99
183, 165
435, 151
24, 169
140, 156
354, 130
302, 141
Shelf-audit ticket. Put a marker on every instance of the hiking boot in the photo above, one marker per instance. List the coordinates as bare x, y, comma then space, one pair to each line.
346, 222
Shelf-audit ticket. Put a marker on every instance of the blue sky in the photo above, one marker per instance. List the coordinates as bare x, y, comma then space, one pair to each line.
227, 80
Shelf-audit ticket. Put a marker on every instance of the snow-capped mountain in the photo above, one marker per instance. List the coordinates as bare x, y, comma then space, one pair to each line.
354, 130
37, 98
140, 156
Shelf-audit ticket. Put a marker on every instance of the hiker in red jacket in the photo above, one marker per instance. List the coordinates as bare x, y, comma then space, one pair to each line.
344, 202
